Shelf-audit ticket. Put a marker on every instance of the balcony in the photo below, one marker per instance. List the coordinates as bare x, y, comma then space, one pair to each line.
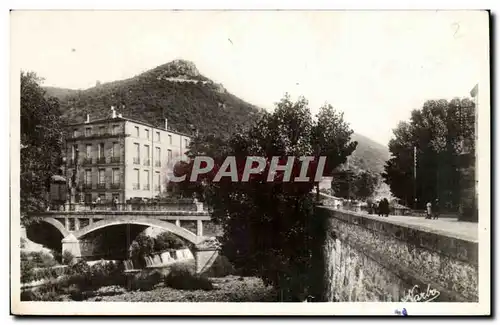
87, 186
136, 186
101, 160
115, 186
146, 187
157, 163
137, 161
87, 161
101, 186
146, 162
115, 159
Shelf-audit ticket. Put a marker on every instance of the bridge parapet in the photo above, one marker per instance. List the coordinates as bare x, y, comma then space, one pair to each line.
369, 258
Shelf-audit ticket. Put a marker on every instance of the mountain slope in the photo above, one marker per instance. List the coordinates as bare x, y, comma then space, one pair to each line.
369, 155
176, 91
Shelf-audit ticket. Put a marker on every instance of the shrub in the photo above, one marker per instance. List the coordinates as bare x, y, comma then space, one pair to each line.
167, 240
220, 268
67, 257
183, 279
145, 281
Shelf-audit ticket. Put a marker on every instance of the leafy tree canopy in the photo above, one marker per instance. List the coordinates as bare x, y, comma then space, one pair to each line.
266, 224
441, 132
41, 142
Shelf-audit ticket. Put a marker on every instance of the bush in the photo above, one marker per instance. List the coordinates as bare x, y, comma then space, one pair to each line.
166, 240
220, 268
144, 281
183, 279
67, 258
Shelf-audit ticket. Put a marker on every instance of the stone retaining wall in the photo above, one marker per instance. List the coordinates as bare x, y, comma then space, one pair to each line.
367, 259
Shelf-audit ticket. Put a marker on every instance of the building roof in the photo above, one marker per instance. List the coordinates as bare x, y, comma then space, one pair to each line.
110, 120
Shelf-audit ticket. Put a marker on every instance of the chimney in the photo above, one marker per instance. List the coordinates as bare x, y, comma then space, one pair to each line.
88, 118
113, 112
166, 124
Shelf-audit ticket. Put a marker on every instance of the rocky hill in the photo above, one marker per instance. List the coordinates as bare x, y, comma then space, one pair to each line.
176, 91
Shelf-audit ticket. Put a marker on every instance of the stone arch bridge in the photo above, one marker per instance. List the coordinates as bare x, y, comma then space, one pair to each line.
193, 226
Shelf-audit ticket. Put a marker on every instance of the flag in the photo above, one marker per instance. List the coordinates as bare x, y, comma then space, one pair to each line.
474, 90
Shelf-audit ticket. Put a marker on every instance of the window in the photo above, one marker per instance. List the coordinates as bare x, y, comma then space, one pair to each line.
88, 176
157, 181
88, 151
146, 179
157, 157
88, 132
116, 176
146, 155
158, 136
147, 133
75, 133
102, 130
88, 199
74, 150
137, 131
169, 155
137, 179
137, 153
116, 149
116, 129
100, 152
169, 139
101, 176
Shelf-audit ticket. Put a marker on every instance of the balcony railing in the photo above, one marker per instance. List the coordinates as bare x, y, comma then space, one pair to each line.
87, 186
115, 185
115, 159
87, 161
146, 187
101, 160
137, 160
146, 162
157, 163
101, 186
136, 186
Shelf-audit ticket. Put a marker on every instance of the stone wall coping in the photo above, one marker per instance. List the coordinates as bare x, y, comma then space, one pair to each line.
462, 249
423, 228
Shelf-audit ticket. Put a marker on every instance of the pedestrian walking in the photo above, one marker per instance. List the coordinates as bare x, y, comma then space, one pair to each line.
386, 207
429, 210
436, 209
380, 208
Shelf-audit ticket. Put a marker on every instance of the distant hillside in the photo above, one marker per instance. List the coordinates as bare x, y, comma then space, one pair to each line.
176, 91
179, 92
369, 155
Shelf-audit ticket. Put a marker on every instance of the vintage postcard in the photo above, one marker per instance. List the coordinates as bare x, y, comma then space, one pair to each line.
287, 162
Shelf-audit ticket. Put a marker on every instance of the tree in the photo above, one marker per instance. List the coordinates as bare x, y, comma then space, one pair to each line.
267, 225
439, 131
41, 142
364, 185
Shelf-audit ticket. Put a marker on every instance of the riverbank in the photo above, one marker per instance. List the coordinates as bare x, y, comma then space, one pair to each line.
226, 289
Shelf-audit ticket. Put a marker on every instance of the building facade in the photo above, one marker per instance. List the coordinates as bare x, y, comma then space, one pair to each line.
120, 158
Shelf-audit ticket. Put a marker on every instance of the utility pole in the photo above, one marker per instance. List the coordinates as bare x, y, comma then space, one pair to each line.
415, 177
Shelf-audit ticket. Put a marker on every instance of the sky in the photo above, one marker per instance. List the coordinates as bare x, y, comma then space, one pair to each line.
375, 66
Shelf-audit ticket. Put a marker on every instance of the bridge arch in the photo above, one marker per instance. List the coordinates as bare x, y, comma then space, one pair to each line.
58, 225
181, 232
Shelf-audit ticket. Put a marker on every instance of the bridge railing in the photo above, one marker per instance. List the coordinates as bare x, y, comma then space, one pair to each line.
131, 207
